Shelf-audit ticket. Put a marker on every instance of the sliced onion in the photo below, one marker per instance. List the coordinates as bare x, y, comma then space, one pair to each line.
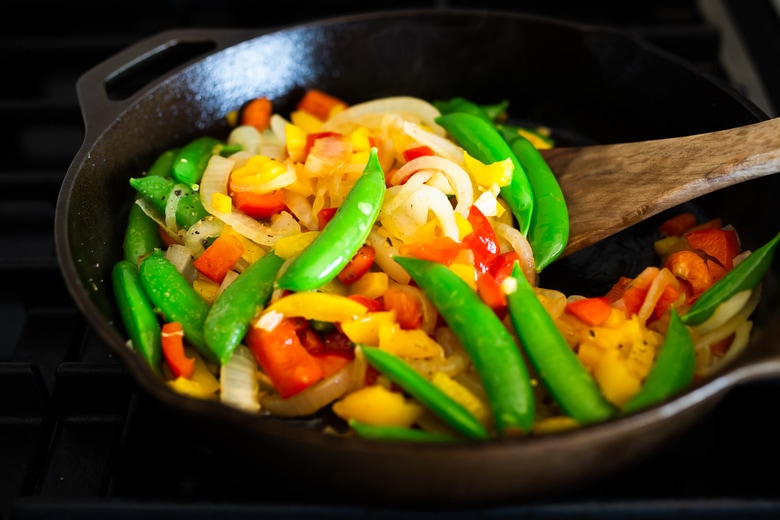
215, 180
397, 195
238, 381
725, 311
385, 251
458, 177
315, 397
181, 258
197, 234
521, 246
246, 136
663, 279
436, 142
412, 108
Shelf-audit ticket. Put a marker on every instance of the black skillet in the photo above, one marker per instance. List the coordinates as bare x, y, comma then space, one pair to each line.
588, 84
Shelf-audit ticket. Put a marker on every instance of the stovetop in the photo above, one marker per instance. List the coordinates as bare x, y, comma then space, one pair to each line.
79, 439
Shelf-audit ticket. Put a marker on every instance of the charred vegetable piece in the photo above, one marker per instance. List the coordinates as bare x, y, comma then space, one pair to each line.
483, 141
672, 370
341, 238
743, 277
446, 408
566, 378
229, 317
172, 293
487, 341
398, 433
157, 190
137, 313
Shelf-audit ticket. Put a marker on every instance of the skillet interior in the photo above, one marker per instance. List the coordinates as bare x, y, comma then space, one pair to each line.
588, 84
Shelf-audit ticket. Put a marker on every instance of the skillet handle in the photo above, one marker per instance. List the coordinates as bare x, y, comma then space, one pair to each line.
107, 89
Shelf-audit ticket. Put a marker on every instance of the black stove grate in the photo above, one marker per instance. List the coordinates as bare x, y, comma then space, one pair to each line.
78, 439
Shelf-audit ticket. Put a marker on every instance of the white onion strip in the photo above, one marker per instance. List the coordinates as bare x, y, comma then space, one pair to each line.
458, 177
215, 180
521, 246
436, 142
311, 399
407, 106
238, 381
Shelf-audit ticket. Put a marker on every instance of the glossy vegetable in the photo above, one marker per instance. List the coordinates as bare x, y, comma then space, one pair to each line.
483, 142
347, 230
573, 388
142, 235
673, 368
491, 348
137, 313
449, 410
177, 300
744, 276
190, 163
156, 190
228, 319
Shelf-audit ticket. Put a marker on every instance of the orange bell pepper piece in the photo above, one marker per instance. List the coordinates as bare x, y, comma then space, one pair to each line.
257, 113
636, 292
491, 293
319, 104
220, 257
678, 225
592, 311
440, 249
690, 267
408, 309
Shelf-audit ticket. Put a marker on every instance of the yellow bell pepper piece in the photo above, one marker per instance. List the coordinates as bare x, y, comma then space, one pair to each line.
257, 171
293, 245
295, 139
412, 343
306, 121
222, 202
360, 139
555, 424
206, 288
616, 381
203, 384
376, 404
318, 306
371, 285
486, 175
365, 330
464, 396
466, 272
464, 226
359, 157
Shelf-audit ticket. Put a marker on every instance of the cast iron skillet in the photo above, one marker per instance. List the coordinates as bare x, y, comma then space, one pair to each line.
589, 84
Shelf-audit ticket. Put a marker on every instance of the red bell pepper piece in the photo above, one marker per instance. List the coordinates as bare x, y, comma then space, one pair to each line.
259, 205
591, 311
502, 265
370, 304
678, 225
491, 293
636, 291
220, 257
720, 244
418, 151
283, 358
172, 338
440, 249
319, 104
358, 265
324, 215
482, 240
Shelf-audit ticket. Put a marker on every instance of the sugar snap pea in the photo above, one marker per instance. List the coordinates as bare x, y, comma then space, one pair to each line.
397, 433
338, 242
163, 164
672, 370
172, 293
137, 313
489, 344
483, 141
430, 396
228, 320
489, 113
191, 160
549, 229
157, 189
744, 276
556, 364
142, 236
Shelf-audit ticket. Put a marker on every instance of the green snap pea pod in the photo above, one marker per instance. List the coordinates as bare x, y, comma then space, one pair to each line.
137, 313
549, 229
429, 395
229, 317
556, 364
491, 347
172, 293
511, 132
339, 241
672, 370
744, 276
397, 433
192, 159
156, 191
487, 112
483, 141
163, 165
141, 235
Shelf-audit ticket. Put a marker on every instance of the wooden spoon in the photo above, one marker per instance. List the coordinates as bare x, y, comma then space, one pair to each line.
613, 186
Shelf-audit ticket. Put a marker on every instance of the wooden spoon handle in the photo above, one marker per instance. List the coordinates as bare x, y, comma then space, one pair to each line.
611, 187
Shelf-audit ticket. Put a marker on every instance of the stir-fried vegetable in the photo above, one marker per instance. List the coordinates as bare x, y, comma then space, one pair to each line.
382, 260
